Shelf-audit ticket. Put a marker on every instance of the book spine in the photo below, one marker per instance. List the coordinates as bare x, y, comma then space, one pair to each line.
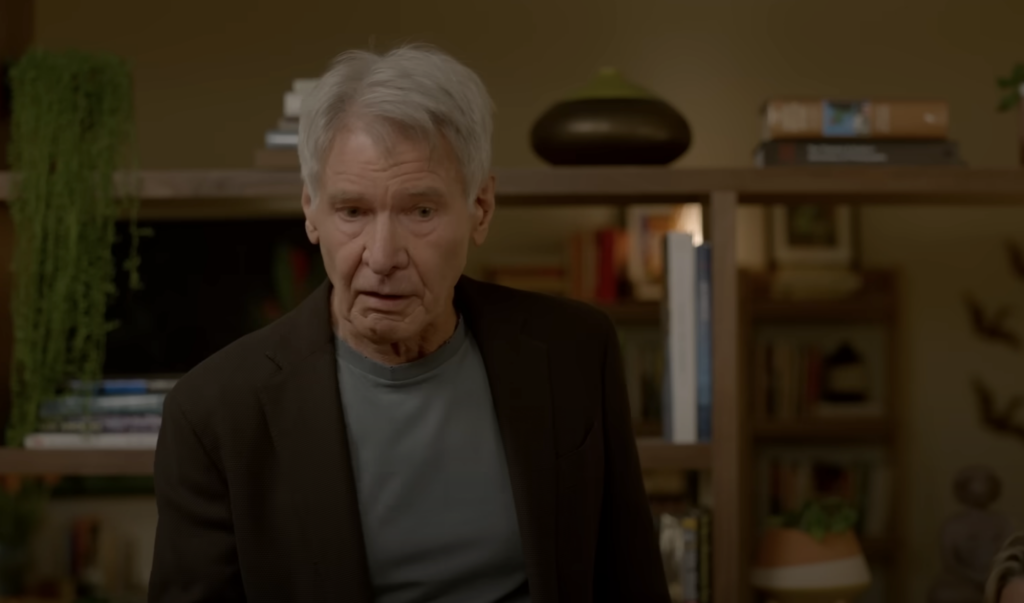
681, 264
292, 104
806, 152
825, 118
704, 392
82, 405
103, 424
607, 276
691, 558
75, 441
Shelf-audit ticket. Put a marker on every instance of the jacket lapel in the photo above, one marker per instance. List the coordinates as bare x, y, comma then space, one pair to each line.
517, 370
304, 412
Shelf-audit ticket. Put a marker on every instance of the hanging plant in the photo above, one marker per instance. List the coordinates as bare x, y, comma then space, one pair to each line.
71, 122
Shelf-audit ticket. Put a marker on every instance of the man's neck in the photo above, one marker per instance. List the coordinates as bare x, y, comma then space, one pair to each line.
393, 353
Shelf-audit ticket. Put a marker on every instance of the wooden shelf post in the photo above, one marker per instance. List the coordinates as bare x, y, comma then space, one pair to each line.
729, 574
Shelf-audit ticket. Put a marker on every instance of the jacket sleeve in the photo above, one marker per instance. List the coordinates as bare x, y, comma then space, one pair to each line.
194, 559
628, 565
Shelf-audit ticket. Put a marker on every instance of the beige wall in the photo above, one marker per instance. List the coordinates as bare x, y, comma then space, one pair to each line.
210, 76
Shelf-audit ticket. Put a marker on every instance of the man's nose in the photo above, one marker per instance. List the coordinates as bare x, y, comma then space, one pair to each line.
385, 251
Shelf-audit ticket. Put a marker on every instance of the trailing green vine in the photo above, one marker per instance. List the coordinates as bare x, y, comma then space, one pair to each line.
71, 123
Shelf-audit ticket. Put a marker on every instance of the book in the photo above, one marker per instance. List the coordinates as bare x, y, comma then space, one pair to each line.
596, 261
680, 426
834, 118
704, 343
123, 423
292, 104
122, 386
866, 152
90, 441
73, 406
288, 124
276, 139
303, 86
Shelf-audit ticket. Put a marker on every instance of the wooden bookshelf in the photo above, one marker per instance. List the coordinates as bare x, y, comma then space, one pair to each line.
255, 194
875, 304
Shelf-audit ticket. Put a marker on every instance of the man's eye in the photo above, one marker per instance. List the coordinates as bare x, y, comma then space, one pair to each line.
424, 212
351, 212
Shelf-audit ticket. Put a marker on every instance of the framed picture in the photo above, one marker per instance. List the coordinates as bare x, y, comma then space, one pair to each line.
812, 235
646, 226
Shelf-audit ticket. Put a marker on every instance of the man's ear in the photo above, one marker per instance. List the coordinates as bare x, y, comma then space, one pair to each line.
307, 210
482, 211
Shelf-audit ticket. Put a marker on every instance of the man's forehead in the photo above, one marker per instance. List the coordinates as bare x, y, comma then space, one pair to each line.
354, 191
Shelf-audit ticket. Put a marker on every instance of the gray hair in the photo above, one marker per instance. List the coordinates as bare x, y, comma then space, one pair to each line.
1006, 566
416, 91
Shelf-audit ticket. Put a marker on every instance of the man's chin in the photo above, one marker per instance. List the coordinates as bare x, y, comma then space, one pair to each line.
385, 328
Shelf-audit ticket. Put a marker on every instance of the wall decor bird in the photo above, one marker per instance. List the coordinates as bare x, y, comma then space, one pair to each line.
1016, 258
1000, 420
992, 326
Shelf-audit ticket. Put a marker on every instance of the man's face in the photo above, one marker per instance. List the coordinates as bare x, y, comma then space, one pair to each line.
394, 230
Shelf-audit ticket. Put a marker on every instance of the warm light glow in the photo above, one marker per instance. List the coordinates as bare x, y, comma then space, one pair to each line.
690, 218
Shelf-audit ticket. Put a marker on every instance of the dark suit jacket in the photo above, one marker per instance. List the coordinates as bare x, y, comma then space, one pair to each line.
254, 480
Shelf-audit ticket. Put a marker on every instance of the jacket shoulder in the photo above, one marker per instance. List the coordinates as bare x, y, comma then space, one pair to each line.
548, 316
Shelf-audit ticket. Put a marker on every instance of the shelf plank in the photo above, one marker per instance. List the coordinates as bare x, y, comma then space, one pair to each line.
18, 461
825, 430
656, 454
622, 185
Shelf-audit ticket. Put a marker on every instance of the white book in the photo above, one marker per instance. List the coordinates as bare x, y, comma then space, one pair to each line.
91, 441
681, 290
276, 140
292, 104
304, 85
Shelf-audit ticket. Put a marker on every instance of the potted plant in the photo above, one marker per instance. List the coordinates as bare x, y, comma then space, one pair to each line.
1012, 87
812, 555
71, 124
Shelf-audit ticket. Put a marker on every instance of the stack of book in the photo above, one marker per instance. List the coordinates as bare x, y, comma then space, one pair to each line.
685, 543
687, 392
280, 144
597, 265
855, 132
114, 413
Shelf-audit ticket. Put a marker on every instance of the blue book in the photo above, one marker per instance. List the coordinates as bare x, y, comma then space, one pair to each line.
152, 403
110, 386
704, 379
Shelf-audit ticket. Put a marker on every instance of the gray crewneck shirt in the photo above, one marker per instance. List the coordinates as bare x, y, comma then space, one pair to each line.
435, 499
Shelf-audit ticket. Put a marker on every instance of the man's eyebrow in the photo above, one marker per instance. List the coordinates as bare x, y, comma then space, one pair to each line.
343, 196
428, 192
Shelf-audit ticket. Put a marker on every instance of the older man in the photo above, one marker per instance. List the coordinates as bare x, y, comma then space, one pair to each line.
407, 434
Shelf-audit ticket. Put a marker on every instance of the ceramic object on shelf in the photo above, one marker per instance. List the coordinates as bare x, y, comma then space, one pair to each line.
793, 567
611, 122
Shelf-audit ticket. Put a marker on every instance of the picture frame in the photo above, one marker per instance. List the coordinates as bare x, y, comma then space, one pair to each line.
812, 235
646, 226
